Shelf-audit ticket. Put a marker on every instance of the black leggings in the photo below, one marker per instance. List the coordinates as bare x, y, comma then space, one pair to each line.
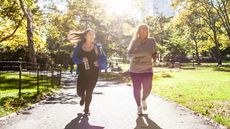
86, 83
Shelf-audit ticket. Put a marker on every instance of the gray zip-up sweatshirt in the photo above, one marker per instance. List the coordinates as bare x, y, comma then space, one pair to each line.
140, 55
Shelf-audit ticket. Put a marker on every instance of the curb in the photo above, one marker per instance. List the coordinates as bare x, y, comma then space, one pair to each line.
26, 109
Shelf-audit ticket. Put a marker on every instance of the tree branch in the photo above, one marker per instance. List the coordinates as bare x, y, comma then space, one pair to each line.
7, 37
208, 35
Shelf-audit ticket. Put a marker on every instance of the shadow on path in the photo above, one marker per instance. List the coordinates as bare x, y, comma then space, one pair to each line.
81, 122
62, 98
68, 97
143, 121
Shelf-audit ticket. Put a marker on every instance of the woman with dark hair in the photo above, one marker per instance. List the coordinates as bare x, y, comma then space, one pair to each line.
141, 52
90, 59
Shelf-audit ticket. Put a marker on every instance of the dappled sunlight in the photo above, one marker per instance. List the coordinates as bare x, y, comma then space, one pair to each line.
187, 50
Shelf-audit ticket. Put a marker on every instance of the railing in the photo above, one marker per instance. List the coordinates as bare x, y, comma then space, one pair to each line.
44, 74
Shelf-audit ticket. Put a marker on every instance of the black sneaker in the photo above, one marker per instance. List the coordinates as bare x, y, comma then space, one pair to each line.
82, 101
86, 110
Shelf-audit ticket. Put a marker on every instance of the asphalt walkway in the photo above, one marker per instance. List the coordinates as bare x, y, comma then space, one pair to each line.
113, 107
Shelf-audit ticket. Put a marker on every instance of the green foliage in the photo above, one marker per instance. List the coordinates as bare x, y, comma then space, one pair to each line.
172, 45
178, 37
207, 23
51, 25
12, 15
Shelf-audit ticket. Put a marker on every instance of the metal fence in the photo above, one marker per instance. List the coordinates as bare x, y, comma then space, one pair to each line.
46, 75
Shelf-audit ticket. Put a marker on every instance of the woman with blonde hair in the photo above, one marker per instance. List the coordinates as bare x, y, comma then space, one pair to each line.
90, 59
141, 52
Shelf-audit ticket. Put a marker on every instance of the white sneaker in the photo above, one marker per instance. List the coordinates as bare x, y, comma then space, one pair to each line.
144, 104
139, 110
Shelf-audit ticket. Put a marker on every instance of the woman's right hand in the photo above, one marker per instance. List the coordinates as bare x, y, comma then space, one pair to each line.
85, 59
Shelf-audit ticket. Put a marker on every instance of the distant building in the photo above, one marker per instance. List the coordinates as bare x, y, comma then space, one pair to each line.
156, 7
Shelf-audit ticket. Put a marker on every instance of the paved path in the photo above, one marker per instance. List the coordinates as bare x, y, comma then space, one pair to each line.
113, 107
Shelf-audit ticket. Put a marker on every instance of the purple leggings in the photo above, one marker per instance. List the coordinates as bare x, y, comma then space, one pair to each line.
141, 80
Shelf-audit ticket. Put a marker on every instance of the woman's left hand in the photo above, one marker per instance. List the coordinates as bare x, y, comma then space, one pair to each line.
155, 56
96, 63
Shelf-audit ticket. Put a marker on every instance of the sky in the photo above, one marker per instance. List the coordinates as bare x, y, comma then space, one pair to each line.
151, 7
60, 4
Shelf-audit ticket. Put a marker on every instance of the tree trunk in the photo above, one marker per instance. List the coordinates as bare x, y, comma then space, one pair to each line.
32, 56
28, 15
217, 48
197, 53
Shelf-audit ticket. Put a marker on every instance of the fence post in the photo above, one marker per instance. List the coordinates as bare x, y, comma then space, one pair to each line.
38, 68
52, 74
59, 83
20, 79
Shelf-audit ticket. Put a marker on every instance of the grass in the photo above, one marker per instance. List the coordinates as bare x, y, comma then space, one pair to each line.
124, 67
204, 89
117, 77
9, 99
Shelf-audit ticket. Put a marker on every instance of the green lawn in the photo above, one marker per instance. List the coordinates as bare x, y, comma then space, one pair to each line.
124, 66
205, 90
9, 100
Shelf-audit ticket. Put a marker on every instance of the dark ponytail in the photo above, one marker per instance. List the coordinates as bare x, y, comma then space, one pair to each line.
78, 37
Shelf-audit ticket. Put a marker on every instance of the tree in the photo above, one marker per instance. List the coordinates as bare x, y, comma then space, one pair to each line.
12, 31
194, 27
78, 15
208, 16
222, 8
111, 31
28, 14
178, 44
